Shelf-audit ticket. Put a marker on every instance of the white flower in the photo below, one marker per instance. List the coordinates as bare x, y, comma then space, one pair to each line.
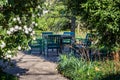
8, 32
26, 31
30, 29
36, 24
2, 44
25, 26
16, 27
19, 47
18, 18
38, 14
34, 38
20, 22
8, 51
33, 15
8, 56
38, 7
45, 11
33, 32
20, 28
14, 19
11, 29
33, 22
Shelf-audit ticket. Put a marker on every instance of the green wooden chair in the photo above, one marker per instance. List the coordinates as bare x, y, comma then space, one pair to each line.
68, 41
35, 45
84, 45
87, 41
52, 42
44, 34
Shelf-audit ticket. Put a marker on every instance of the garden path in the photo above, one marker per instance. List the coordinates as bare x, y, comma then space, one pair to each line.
35, 67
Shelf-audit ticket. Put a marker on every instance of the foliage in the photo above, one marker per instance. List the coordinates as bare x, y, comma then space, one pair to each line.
73, 6
53, 18
5, 76
102, 16
79, 69
17, 20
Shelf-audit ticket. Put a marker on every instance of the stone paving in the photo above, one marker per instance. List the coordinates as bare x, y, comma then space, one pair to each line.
35, 67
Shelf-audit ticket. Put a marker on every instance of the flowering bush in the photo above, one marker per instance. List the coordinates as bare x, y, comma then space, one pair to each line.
17, 22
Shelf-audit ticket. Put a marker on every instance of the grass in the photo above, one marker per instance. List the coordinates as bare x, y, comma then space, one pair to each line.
5, 76
79, 69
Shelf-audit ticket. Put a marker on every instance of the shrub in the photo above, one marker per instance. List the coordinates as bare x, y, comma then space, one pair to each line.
79, 69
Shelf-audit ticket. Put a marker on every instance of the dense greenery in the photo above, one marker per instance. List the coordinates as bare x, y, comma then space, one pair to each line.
102, 16
79, 69
54, 18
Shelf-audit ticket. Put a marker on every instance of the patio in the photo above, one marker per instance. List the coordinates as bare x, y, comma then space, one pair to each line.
50, 44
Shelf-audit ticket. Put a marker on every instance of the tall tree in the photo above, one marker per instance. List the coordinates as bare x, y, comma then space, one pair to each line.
102, 16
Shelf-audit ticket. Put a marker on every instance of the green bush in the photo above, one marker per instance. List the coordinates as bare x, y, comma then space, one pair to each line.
79, 69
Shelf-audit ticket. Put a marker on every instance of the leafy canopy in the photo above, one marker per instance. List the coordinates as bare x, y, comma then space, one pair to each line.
102, 16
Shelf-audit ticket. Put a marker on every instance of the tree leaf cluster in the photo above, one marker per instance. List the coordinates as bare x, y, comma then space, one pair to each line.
102, 16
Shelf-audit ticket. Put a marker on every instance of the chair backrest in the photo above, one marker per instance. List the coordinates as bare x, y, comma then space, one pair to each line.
35, 44
88, 39
53, 39
46, 33
69, 33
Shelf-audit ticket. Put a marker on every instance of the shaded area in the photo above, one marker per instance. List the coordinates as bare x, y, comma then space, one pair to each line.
11, 71
5, 76
34, 67
52, 55
12, 68
111, 77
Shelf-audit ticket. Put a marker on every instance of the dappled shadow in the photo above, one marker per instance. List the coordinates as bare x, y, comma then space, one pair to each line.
34, 67
111, 77
13, 68
52, 55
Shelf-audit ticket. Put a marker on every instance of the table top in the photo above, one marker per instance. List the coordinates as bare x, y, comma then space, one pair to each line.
60, 35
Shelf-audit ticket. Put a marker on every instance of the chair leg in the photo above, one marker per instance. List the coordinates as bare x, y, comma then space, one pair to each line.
57, 52
47, 53
29, 52
40, 51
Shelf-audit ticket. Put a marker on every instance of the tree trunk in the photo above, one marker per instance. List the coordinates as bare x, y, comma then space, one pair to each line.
116, 56
78, 29
73, 20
